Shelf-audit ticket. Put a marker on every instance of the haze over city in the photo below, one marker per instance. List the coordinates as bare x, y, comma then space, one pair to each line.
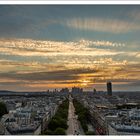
51, 47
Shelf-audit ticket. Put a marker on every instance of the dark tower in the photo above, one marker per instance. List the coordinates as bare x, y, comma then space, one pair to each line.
94, 91
109, 88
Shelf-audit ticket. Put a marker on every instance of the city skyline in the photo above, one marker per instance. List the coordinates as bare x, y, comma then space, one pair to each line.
51, 47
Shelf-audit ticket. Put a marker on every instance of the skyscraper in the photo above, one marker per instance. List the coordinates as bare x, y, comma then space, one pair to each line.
94, 91
109, 88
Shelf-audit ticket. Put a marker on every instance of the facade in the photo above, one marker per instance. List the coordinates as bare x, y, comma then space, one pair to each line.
30, 118
118, 129
2, 129
76, 90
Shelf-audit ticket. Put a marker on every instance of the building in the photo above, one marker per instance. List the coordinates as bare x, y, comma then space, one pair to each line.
77, 90
122, 129
2, 129
109, 88
64, 90
94, 91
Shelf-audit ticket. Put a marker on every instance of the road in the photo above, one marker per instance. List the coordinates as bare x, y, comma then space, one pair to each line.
73, 124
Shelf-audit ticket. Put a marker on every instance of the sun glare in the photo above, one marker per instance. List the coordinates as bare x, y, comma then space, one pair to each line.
84, 82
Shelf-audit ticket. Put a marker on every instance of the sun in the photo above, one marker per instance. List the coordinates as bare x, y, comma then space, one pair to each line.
84, 82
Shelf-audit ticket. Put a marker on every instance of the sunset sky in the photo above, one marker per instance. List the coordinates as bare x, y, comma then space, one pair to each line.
48, 47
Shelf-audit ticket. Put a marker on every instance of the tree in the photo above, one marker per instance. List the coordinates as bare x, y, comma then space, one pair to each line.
48, 132
58, 123
90, 133
82, 113
3, 109
53, 124
59, 131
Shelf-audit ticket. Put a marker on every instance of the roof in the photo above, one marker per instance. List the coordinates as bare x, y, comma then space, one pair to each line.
2, 129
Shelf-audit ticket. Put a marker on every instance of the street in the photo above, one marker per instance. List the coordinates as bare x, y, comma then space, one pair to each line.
73, 124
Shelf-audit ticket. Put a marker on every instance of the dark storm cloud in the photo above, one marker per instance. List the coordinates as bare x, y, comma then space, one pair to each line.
52, 75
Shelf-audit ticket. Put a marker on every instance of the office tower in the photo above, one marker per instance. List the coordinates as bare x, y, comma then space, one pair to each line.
77, 90
109, 88
94, 91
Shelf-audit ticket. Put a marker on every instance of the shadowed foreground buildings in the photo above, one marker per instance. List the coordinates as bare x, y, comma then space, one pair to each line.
29, 115
118, 114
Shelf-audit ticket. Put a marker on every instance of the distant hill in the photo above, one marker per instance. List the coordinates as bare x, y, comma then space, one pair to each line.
6, 91
16, 93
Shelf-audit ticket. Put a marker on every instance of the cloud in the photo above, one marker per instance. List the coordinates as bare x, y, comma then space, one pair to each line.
70, 77
62, 64
102, 25
98, 73
134, 14
37, 55
28, 47
70, 74
40, 55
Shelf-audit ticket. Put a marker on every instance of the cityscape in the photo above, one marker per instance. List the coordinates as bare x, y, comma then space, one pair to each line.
69, 70
74, 112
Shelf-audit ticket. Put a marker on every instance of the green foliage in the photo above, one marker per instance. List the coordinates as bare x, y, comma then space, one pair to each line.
48, 132
53, 124
59, 131
3, 109
84, 125
58, 123
90, 133
82, 113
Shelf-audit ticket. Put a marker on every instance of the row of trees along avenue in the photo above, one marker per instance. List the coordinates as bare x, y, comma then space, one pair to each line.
83, 116
58, 123
3, 109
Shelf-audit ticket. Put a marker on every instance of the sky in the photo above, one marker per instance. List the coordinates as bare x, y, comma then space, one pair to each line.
55, 46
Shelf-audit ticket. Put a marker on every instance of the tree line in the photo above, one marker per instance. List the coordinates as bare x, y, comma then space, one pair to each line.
3, 109
83, 116
58, 123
